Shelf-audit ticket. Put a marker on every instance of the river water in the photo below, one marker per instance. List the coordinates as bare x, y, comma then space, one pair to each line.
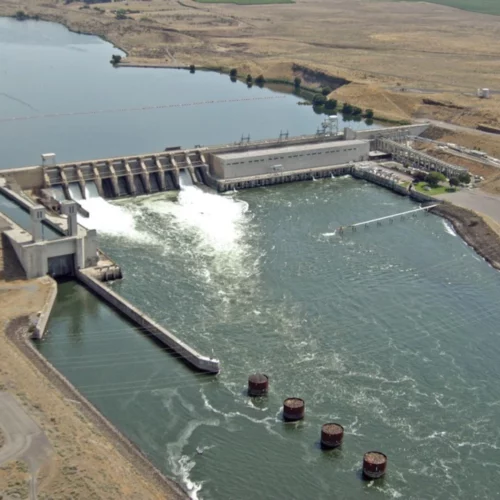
391, 331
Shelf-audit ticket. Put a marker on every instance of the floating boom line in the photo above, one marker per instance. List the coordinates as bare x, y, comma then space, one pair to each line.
142, 108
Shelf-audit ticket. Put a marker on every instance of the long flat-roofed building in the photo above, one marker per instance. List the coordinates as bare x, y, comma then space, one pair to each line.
287, 159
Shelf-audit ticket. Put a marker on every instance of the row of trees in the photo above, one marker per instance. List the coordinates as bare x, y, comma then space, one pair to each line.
259, 80
433, 179
320, 100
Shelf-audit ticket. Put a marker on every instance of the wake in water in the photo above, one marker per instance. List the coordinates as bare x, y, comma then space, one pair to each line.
449, 228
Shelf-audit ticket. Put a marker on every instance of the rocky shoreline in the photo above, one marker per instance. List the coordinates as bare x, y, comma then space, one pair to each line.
473, 229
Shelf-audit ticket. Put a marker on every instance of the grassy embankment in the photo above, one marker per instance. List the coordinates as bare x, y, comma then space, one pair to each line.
433, 191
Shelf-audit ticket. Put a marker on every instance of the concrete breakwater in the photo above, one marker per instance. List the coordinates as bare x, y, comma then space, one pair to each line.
200, 362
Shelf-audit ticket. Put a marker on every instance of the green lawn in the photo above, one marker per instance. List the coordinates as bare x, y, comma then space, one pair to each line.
482, 6
246, 2
433, 191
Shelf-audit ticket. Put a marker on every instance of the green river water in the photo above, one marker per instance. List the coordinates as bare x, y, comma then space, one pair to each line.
391, 331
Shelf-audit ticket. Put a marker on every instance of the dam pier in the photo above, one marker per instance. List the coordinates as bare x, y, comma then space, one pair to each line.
45, 223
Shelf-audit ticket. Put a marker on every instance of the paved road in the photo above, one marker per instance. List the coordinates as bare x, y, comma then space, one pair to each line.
24, 440
457, 128
476, 200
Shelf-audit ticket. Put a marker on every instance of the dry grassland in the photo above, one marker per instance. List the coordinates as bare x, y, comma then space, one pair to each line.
376, 45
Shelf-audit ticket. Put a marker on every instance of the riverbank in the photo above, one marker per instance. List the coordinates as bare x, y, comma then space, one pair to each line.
474, 230
92, 459
378, 65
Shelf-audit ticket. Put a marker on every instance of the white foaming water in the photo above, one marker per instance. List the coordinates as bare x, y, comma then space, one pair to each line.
217, 219
448, 228
108, 218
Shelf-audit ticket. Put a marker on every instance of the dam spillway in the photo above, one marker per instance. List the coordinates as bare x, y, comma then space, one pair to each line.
224, 167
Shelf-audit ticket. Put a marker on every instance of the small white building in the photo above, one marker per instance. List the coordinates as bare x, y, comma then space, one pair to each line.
288, 158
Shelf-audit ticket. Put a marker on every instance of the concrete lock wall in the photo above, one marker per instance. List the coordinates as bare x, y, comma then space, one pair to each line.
200, 362
235, 165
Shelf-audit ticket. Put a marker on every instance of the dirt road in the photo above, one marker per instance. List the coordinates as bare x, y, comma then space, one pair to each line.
23, 439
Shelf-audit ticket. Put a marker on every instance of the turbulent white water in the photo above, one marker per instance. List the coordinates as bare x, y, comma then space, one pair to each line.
449, 228
107, 217
216, 220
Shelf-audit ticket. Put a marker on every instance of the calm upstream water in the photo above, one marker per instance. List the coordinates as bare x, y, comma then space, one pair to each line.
391, 331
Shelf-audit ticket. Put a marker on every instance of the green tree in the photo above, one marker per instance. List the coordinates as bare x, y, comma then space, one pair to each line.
319, 100
260, 80
356, 111
115, 59
331, 104
454, 181
464, 178
347, 108
21, 15
434, 178
419, 176
233, 73
326, 90
249, 79
296, 82
192, 68
369, 114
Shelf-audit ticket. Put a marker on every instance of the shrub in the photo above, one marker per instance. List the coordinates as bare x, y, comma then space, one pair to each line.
434, 178
319, 100
192, 68
454, 181
369, 113
21, 15
331, 104
420, 176
464, 178
233, 73
115, 59
260, 80
326, 90
347, 109
296, 82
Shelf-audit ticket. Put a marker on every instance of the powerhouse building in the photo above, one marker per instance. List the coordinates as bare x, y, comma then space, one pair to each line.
287, 159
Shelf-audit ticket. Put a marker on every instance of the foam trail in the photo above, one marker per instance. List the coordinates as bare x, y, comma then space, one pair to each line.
448, 228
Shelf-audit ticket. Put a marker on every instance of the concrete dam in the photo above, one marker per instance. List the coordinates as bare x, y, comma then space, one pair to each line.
45, 200
222, 168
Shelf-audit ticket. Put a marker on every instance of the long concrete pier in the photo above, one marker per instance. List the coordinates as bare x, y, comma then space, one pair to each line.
187, 353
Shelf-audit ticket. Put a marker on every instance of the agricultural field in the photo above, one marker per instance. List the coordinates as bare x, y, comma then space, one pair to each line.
246, 2
481, 6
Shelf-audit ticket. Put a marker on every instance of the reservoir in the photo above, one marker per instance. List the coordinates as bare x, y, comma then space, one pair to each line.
392, 331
